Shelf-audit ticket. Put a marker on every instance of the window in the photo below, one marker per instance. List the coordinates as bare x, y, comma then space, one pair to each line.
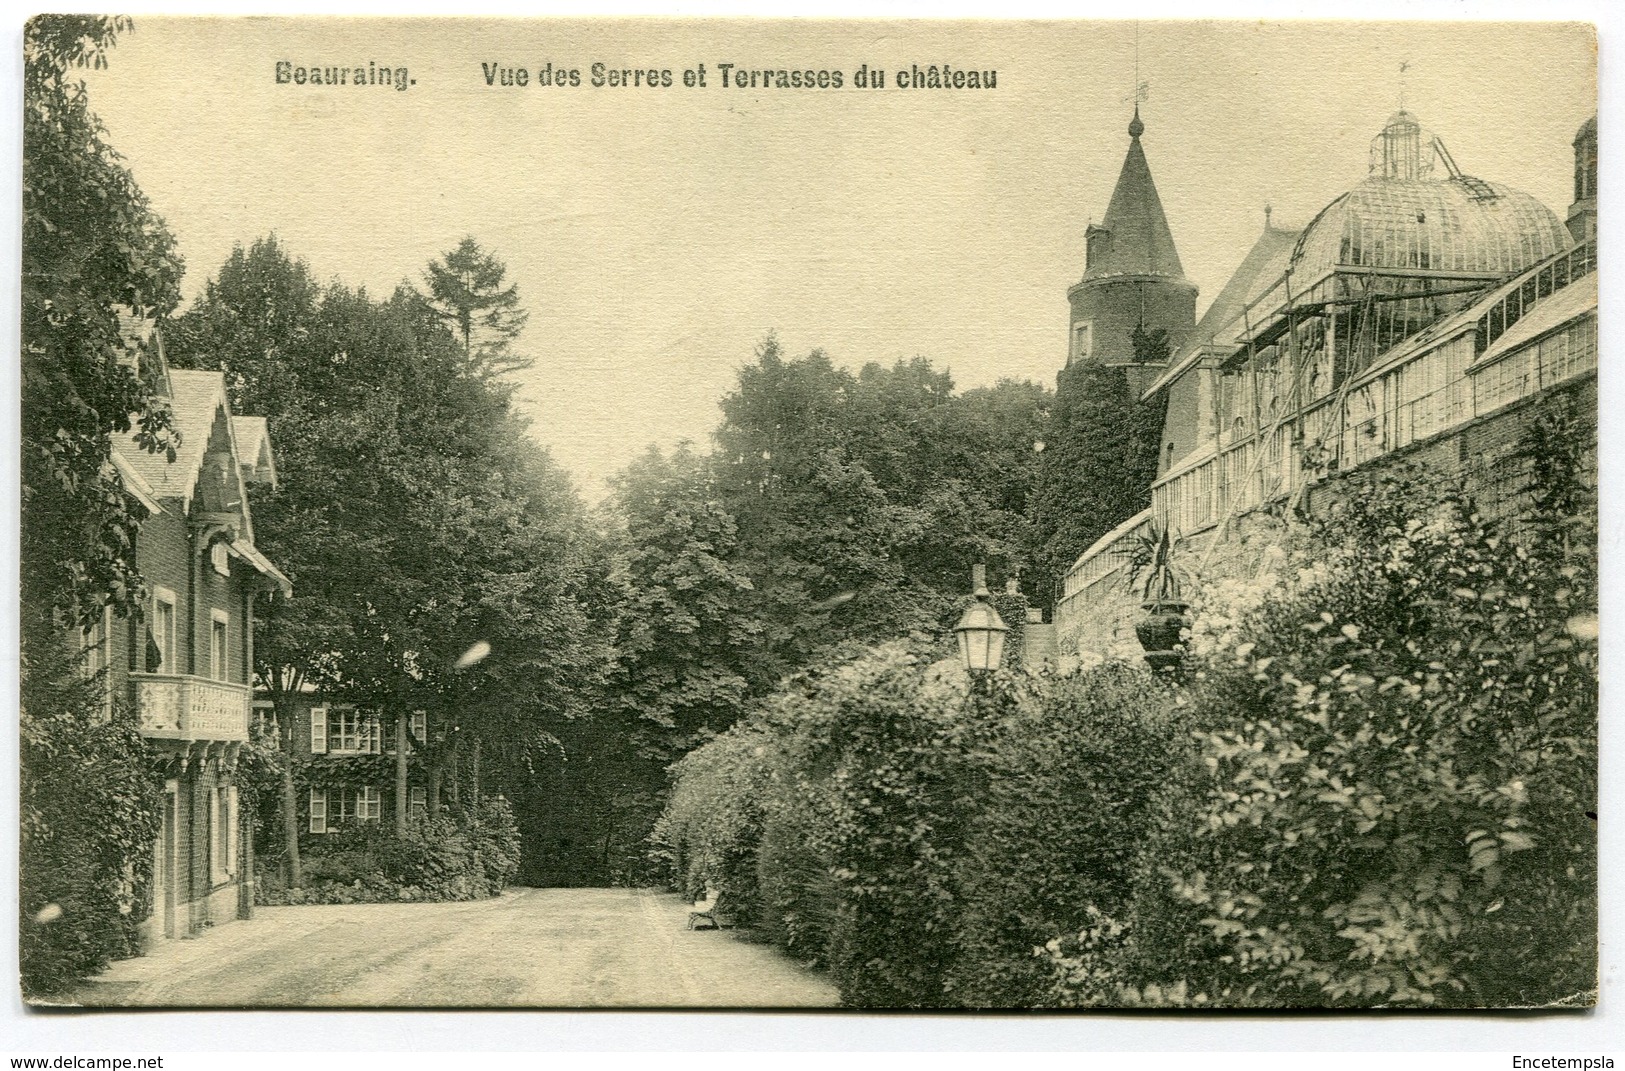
223, 829
264, 722
420, 726
218, 651
95, 645
418, 804
369, 804
351, 730
163, 633
1081, 342
341, 807
318, 810
344, 730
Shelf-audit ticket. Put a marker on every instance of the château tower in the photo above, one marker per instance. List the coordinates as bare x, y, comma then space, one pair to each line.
1583, 212
1132, 275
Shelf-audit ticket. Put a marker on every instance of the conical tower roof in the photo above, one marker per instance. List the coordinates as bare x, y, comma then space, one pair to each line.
1140, 242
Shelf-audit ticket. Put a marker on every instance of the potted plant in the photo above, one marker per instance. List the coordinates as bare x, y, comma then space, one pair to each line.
1163, 618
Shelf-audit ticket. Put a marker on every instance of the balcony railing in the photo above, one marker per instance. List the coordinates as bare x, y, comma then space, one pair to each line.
191, 708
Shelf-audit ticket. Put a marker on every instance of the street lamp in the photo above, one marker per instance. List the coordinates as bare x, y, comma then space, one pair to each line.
981, 630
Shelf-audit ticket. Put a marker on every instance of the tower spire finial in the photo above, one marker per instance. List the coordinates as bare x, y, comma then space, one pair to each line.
1142, 90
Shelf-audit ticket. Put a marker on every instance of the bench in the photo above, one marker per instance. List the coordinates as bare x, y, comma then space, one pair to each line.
719, 914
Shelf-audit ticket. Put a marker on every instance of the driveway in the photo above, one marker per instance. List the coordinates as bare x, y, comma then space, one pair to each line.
529, 948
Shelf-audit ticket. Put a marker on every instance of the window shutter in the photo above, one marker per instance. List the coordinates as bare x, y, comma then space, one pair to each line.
318, 730
318, 810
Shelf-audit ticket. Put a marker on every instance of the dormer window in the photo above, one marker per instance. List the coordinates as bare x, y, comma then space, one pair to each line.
1098, 240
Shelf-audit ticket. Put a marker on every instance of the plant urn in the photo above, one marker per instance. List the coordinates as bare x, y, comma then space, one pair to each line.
1159, 629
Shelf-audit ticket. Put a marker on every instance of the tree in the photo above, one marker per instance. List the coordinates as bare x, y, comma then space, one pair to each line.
466, 292
687, 637
1099, 459
415, 519
837, 510
92, 247
863, 500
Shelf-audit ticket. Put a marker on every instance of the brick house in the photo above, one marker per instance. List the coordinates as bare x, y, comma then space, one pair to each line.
353, 776
1424, 316
186, 662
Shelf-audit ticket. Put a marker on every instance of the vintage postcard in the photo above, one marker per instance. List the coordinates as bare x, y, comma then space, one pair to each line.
724, 513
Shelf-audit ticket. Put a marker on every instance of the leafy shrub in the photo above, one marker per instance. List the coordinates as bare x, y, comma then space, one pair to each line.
494, 836
794, 864
1070, 778
712, 824
896, 738
1376, 786
433, 854
435, 859
1399, 760
90, 812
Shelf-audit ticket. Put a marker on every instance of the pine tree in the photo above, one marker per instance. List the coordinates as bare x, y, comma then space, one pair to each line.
466, 292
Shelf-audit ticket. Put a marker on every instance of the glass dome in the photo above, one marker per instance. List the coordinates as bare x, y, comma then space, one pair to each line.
1458, 224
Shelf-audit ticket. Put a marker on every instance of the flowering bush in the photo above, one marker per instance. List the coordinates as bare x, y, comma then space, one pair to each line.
1397, 773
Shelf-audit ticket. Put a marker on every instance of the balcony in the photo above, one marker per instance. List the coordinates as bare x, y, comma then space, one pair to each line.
191, 708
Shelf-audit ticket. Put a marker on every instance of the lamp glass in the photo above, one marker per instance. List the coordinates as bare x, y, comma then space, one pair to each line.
981, 638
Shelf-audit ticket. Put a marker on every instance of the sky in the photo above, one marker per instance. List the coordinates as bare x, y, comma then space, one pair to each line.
656, 236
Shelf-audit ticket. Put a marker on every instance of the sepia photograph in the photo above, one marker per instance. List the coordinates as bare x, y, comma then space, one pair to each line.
808, 514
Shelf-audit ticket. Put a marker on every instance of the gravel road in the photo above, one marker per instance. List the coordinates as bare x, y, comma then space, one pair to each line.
534, 948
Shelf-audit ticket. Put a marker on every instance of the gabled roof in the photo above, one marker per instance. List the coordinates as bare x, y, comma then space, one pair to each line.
1141, 243
254, 441
1258, 272
133, 482
1265, 261
196, 398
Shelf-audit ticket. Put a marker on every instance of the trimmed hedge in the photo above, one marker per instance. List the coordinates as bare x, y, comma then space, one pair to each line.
1377, 785
877, 818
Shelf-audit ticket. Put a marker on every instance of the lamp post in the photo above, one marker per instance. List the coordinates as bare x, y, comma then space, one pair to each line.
981, 631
